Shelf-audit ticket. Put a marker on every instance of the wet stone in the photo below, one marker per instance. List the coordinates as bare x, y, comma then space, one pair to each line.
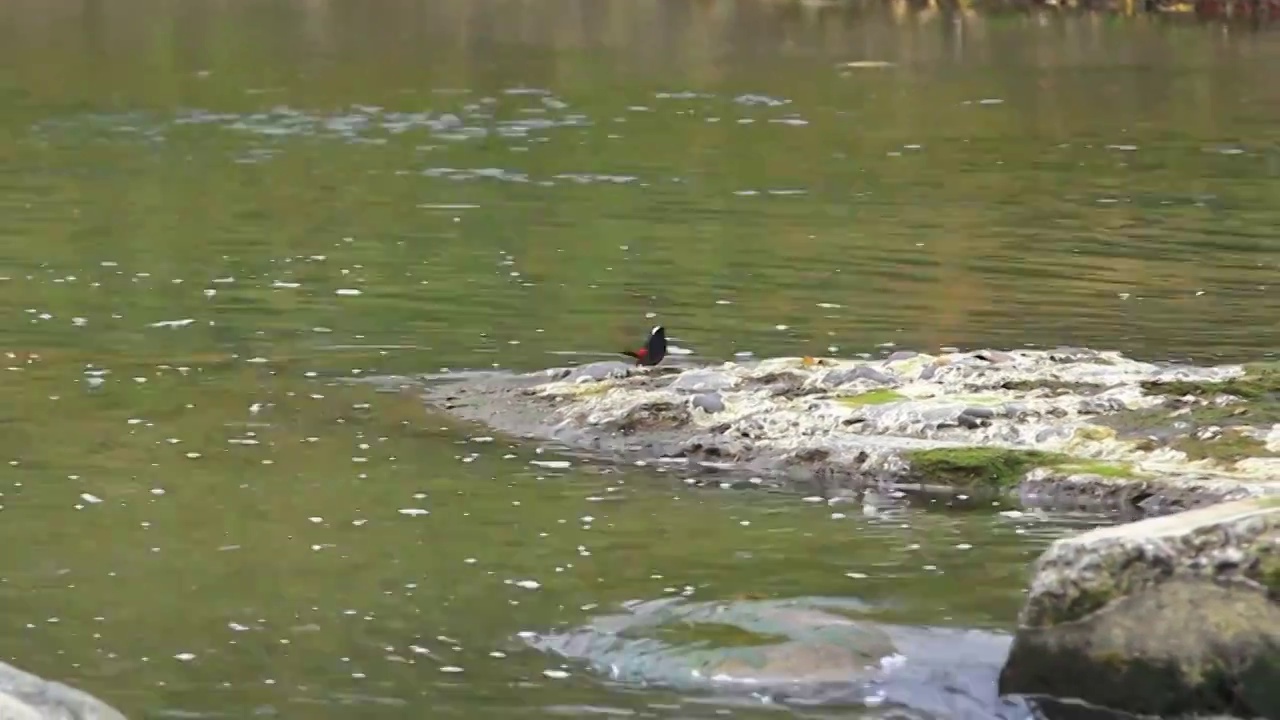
1101, 405
945, 414
994, 356
702, 381
845, 376
976, 417
1171, 617
1015, 410
604, 370
1072, 354
654, 415
707, 402
901, 355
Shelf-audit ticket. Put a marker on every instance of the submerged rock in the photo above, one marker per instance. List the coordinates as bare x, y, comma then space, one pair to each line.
1167, 616
24, 696
804, 651
1072, 424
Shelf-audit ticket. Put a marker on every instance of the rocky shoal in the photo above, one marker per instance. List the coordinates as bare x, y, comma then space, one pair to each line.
1065, 426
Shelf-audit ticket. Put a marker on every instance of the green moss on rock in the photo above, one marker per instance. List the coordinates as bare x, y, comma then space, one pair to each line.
981, 467
1057, 387
872, 397
713, 634
1104, 469
1269, 574
1230, 447
1261, 381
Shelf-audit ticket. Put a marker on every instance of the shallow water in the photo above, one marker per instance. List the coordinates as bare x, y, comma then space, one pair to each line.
209, 212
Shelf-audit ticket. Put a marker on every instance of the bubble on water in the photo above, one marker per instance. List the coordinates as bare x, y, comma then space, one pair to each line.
856, 575
555, 674
526, 584
450, 669
90, 498
414, 512
193, 455
172, 323
184, 657
347, 291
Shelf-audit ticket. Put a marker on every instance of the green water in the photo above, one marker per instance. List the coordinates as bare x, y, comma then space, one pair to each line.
520, 184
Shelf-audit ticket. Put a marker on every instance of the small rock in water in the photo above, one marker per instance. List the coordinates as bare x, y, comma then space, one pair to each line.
702, 381
707, 402
552, 464
862, 372
994, 356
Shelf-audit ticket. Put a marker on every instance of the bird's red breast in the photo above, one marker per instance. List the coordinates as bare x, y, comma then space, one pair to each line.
642, 353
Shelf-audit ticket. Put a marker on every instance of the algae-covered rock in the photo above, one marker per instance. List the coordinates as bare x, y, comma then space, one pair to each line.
805, 651
1012, 415
1167, 616
979, 467
24, 696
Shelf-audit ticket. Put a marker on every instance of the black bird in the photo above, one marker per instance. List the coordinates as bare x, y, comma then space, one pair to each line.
655, 348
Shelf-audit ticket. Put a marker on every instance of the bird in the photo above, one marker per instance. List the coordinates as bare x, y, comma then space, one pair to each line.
655, 348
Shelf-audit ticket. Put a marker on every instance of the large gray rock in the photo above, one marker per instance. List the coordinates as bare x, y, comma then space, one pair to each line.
1168, 616
24, 696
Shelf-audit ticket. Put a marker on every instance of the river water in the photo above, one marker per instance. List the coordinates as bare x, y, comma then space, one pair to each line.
210, 211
